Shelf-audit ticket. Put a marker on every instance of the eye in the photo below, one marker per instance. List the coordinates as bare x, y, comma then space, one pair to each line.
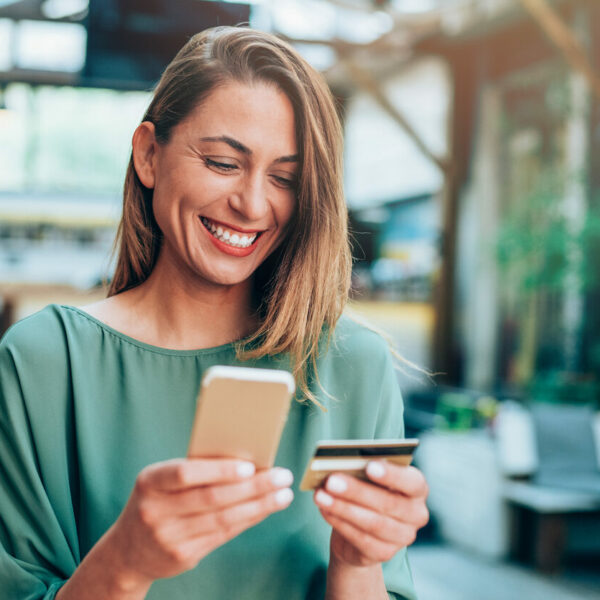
220, 165
288, 183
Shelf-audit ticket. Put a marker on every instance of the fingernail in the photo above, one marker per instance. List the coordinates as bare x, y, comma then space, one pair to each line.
336, 484
375, 470
323, 498
284, 496
281, 477
245, 469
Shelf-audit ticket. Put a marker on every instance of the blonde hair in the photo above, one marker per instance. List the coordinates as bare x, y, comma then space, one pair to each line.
303, 286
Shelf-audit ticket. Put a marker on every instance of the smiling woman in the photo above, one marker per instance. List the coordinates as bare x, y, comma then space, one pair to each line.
233, 250
250, 110
240, 180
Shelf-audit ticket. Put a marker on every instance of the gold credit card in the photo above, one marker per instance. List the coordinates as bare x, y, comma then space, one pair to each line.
352, 456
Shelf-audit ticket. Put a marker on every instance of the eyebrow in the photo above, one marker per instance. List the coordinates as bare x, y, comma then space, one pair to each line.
231, 142
287, 159
236, 145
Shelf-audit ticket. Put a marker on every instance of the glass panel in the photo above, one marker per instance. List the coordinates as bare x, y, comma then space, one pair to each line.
67, 139
50, 46
6, 32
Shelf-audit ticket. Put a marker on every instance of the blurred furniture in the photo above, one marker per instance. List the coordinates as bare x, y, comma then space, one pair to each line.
565, 483
465, 486
513, 489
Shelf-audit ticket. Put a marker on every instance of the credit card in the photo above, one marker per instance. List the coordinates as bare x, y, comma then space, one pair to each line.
352, 456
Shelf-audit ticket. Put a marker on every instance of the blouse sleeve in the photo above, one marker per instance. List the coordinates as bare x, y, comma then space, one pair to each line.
38, 543
368, 405
390, 424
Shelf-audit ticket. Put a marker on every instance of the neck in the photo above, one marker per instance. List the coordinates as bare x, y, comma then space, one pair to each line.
188, 313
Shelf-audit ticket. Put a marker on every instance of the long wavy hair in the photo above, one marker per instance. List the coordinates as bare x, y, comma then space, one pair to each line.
302, 288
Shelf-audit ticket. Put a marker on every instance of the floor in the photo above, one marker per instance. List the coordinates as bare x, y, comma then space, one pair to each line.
447, 573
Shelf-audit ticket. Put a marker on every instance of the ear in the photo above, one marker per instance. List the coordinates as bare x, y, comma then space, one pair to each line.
144, 147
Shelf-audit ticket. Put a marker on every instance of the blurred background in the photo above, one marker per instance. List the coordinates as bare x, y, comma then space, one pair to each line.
472, 177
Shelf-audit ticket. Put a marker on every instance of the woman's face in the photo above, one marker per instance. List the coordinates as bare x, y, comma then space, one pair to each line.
225, 183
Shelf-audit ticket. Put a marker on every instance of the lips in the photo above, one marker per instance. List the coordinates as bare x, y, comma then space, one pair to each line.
231, 241
229, 236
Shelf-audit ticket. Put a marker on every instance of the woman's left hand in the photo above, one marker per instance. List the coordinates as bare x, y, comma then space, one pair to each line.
372, 522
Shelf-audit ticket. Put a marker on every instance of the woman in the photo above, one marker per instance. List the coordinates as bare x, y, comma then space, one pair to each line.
233, 250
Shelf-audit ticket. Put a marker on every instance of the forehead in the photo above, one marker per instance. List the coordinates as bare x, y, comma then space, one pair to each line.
259, 115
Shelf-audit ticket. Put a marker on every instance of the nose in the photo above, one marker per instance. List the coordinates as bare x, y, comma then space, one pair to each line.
251, 201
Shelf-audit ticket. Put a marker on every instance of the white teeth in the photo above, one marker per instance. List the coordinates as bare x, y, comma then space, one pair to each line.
231, 239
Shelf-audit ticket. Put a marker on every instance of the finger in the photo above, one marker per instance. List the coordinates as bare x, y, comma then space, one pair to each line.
242, 515
183, 473
219, 537
199, 546
380, 526
212, 497
406, 480
379, 499
370, 547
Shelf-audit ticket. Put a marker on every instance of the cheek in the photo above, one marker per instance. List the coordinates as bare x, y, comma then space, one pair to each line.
167, 213
287, 210
177, 203
158, 210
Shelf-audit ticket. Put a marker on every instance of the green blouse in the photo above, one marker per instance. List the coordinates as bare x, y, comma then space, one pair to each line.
83, 408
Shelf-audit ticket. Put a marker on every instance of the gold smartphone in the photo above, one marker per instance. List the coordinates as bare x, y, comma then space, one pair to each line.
241, 413
352, 456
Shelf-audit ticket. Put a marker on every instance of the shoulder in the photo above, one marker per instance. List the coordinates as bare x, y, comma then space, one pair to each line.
356, 356
359, 383
356, 341
34, 365
39, 340
38, 327
114, 311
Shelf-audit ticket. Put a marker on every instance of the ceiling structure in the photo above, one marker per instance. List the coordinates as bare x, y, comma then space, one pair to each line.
378, 35
357, 44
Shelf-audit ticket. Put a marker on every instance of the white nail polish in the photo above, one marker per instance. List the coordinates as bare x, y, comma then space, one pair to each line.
323, 498
281, 477
336, 484
246, 469
375, 470
284, 496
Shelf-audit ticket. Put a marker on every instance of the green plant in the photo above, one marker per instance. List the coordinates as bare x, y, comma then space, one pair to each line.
541, 247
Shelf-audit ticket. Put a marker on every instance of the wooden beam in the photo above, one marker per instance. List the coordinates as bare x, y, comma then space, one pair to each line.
40, 77
465, 65
563, 38
383, 44
369, 84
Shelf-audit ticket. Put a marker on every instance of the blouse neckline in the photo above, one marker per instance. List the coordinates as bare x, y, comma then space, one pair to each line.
149, 347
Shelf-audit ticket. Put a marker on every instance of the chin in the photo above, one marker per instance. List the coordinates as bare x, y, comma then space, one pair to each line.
224, 279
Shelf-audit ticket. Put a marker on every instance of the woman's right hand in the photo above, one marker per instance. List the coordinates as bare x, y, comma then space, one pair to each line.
181, 510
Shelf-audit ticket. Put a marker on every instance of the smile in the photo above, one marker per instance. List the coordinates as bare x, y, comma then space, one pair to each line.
235, 239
